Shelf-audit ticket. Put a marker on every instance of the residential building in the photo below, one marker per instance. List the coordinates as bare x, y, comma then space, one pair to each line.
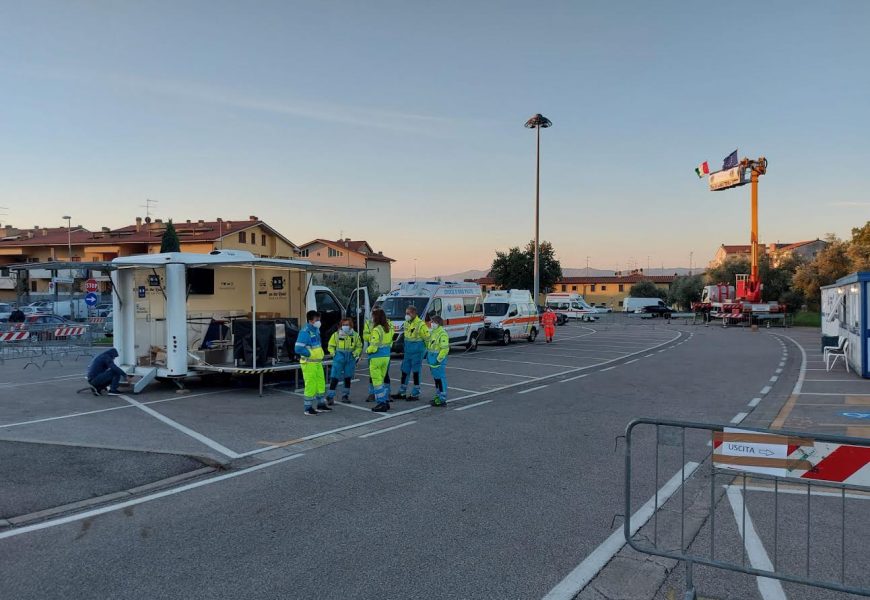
806, 250
42, 244
351, 253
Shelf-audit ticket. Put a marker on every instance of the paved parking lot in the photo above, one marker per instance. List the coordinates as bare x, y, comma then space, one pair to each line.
227, 423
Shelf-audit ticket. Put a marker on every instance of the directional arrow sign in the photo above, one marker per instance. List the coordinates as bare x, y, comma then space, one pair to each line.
744, 450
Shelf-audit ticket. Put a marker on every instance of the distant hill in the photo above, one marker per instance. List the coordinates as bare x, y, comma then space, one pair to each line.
567, 272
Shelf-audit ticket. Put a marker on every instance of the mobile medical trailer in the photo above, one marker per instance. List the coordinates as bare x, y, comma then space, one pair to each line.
845, 312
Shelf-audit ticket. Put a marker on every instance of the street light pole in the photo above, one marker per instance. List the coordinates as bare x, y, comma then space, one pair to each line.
537, 122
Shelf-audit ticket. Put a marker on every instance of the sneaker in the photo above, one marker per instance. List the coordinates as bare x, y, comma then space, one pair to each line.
94, 390
323, 408
399, 396
413, 398
370, 398
345, 399
309, 412
330, 401
114, 393
381, 407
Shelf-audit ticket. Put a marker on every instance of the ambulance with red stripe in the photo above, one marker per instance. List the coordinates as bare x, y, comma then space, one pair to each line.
509, 315
460, 304
572, 305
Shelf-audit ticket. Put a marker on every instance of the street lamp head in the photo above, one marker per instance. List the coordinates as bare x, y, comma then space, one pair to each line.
66, 217
538, 120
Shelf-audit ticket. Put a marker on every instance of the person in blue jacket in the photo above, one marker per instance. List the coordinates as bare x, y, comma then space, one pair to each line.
310, 351
103, 372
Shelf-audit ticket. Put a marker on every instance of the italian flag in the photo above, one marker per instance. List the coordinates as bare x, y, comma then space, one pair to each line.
702, 169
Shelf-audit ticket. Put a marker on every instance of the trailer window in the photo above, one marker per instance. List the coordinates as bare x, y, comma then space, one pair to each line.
495, 309
200, 281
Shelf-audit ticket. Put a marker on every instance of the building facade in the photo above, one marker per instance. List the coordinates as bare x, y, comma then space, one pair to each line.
351, 253
806, 250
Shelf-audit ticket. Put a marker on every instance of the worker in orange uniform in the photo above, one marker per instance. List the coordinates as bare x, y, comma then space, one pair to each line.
548, 320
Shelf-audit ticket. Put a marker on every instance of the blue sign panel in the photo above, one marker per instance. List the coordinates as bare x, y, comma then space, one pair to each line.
91, 299
141, 291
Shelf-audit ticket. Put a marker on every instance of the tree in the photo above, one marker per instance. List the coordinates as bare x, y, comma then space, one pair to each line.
170, 241
343, 285
859, 248
727, 271
647, 289
515, 269
685, 290
829, 265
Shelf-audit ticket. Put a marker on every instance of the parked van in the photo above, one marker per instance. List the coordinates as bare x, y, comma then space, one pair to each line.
637, 305
509, 315
572, 305
459, 304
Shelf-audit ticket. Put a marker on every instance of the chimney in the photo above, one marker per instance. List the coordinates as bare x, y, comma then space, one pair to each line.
253, 218
138, 223
188, 221
158, 220
200, 223
44, 232
105, 229
229, 225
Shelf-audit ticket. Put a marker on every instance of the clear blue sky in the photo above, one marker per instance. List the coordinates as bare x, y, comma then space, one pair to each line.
402, 122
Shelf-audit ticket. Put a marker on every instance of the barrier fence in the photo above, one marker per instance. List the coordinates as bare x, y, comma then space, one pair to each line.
42, 343
791, 477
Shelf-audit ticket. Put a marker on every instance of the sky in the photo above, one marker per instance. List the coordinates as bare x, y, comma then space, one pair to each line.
402, 122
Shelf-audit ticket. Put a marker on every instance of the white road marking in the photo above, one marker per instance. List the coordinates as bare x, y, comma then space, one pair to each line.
649, 355
774, 378
490, 372
473, 405
754, 402
522, 362
634, 360
828, 394
739, 417
540, 387
185, 430
782, 364
778, 371
608, 368
770, 589
576, 377
765, 390
580, 577
662, 350
121, 505
393, 428
802, 492
61, 379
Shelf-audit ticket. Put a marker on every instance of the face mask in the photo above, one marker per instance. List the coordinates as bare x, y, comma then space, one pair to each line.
345, 328
407, 317
316, 324
433, 326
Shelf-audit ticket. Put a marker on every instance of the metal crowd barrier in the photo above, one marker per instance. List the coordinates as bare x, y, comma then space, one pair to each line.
40, 344
801, 470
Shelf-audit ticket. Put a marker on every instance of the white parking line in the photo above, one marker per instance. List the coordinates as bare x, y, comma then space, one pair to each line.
649, 355
393, 428
491, 372
473, 405
770, 589
608, 369
634, 360
185, 430
738, 418
778, 371
522, 362
576, 377
754, 402
540, 387
773, 379
765, 390
580, 577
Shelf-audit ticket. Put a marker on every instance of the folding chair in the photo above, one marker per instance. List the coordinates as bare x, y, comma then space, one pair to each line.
837, 354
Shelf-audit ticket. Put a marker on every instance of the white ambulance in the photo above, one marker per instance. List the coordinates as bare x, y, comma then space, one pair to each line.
509, 315
572, 305
459, 304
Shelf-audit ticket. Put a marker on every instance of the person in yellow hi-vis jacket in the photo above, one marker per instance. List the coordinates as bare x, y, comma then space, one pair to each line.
310, 353
379, 344
367, 332
345, 346
438, 347
415, 333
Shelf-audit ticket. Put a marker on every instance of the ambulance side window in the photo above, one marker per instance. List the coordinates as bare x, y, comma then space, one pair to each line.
435, 308
471, 305
512, 312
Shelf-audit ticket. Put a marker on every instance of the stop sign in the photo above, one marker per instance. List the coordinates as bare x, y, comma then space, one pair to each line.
91, 285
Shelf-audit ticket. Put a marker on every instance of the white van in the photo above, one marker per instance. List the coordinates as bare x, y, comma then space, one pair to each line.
509, 315
572, 305
636, 305
459, 304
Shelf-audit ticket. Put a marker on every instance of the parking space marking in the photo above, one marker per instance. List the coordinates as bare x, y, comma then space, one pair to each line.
387, 429
754, 402
649, 355
773, 379
738, 418
765, 390
61, 379
473, 405
522, 362
778, 371
579, 578
540, 387
490, 372
634, 360
576, 377
220, 448
89, 514
608, 368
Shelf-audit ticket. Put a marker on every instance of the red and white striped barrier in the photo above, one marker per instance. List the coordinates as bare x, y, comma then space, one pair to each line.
14, 336
96, 320
68, 331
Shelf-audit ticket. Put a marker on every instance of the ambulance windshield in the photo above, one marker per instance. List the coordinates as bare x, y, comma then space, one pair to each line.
395, 306
495, 309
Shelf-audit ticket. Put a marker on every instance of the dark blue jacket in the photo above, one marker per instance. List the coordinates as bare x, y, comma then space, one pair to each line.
103, 362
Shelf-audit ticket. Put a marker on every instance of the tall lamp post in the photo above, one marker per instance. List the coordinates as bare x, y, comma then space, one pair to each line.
538, 122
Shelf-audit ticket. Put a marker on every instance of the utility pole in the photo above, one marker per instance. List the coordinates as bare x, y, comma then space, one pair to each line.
691, 256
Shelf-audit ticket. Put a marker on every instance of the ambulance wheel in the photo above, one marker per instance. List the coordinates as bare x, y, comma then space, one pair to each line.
471, 346
533, 334
506, 338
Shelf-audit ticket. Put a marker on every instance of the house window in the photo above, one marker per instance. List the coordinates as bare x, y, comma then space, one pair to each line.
242, 238
76, 259
32, 260
304, 253
333, 253
573, 288
620, 303
32, 286
263, 239
592, 288
603, 288
564, 287
4, 272
621, 287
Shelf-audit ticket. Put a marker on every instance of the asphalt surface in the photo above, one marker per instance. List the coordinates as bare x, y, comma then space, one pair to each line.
499, 500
